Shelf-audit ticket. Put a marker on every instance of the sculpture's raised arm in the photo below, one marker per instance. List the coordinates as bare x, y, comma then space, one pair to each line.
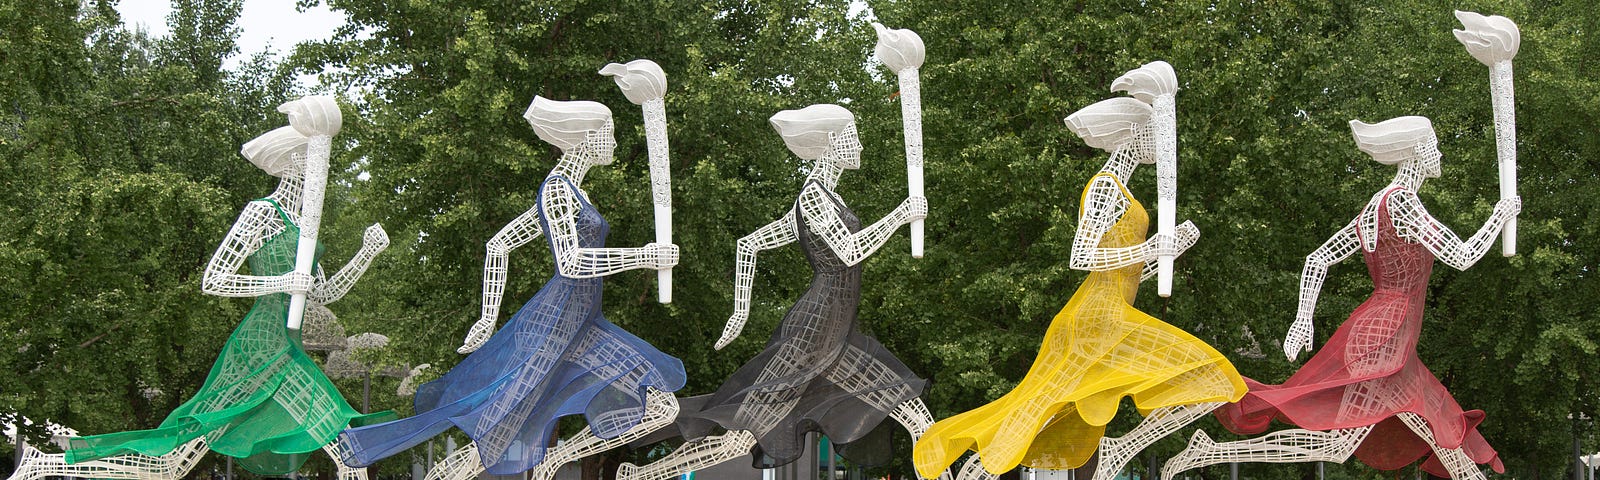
823, 215
560, 210
1413, 222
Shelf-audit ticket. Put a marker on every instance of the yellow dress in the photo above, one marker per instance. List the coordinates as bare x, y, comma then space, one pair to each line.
1096, 351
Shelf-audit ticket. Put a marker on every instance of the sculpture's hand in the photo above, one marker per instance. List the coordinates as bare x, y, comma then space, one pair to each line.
1299, 338
478, 335
298, 283
1508, 208
915, 207
731, 332
375, 238
662, 256
1161, 245
1187, 234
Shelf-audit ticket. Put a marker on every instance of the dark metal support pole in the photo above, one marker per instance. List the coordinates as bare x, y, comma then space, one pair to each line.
1577, 453
21, 445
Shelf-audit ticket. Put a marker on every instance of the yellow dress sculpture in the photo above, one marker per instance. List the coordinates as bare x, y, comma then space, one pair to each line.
1098, 349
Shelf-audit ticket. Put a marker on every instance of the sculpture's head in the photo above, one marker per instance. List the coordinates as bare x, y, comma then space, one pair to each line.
578, 124
823, 131
1399, 140
1118, 123
281, 152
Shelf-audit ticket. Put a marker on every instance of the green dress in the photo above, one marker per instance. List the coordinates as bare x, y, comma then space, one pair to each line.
265, 401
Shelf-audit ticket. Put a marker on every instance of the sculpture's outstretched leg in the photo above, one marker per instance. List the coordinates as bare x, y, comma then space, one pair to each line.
1286, 446
38, 465
462, 464
335, 450
692, 456
1455, 460
659, 412
1116, 452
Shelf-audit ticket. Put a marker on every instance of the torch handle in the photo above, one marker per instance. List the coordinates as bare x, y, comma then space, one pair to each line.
1505, 140
655, 133
1166, 185
911, 115
314, 187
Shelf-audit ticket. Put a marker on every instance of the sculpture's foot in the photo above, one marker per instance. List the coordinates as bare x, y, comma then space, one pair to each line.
1112, 458
1189, 458
973, 469
627, 471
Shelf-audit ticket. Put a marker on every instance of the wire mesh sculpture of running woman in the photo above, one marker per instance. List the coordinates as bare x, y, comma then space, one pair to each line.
817, 372
1099, 348
265, 401
1367, 393
556, 356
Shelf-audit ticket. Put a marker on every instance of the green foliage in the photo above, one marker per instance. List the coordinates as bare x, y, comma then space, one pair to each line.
120, 176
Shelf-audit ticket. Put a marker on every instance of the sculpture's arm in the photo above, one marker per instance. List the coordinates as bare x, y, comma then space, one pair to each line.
1104, 204
245, 237
561, 207
1339, 247
1187, 236
822, 215
496, 261
1412, 222
372, 242
776, 234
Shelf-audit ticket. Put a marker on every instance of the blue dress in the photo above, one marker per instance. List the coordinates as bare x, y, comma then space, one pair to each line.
557, 356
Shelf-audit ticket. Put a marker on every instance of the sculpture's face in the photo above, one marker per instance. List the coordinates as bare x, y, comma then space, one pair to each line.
1428, 158
602, 145
847, 148
1144, 143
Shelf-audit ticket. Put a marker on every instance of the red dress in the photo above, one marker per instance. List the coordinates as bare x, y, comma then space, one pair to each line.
1369, 372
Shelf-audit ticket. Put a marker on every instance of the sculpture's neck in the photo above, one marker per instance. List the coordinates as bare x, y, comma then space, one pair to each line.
288, 195
826, 171
1120, 165
1409, 177
574, 164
